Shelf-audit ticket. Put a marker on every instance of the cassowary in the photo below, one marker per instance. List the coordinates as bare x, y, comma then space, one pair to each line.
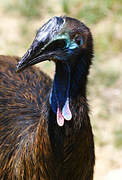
45, 130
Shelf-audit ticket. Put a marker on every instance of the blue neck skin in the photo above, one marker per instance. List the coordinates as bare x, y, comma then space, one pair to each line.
61, 86
68, 84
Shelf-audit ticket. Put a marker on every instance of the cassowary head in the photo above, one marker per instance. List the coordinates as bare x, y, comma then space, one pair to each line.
68, 43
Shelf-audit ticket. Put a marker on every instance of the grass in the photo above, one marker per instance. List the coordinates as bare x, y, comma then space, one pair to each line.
106, 78
118, 138
92, 11
65, 6
94, 14
27, 8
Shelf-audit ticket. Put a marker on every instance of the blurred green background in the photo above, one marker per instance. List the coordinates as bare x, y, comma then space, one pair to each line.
19, 21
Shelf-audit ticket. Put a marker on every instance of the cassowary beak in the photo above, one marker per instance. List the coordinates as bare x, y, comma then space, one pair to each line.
39, 50
30, 58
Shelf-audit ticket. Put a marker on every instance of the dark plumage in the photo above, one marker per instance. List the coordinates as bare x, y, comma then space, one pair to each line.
46, 134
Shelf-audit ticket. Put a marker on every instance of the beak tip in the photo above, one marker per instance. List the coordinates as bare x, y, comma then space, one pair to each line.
19, 66
17, 70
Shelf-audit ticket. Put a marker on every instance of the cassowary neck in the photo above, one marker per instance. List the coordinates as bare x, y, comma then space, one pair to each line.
79, 79
69, 83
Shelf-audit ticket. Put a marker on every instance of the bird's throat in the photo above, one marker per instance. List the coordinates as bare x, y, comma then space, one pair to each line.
59, 97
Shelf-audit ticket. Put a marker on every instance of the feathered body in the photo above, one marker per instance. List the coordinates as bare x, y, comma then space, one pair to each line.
32, 144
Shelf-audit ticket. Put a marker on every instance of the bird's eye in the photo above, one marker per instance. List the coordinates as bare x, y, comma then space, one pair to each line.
79, 40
